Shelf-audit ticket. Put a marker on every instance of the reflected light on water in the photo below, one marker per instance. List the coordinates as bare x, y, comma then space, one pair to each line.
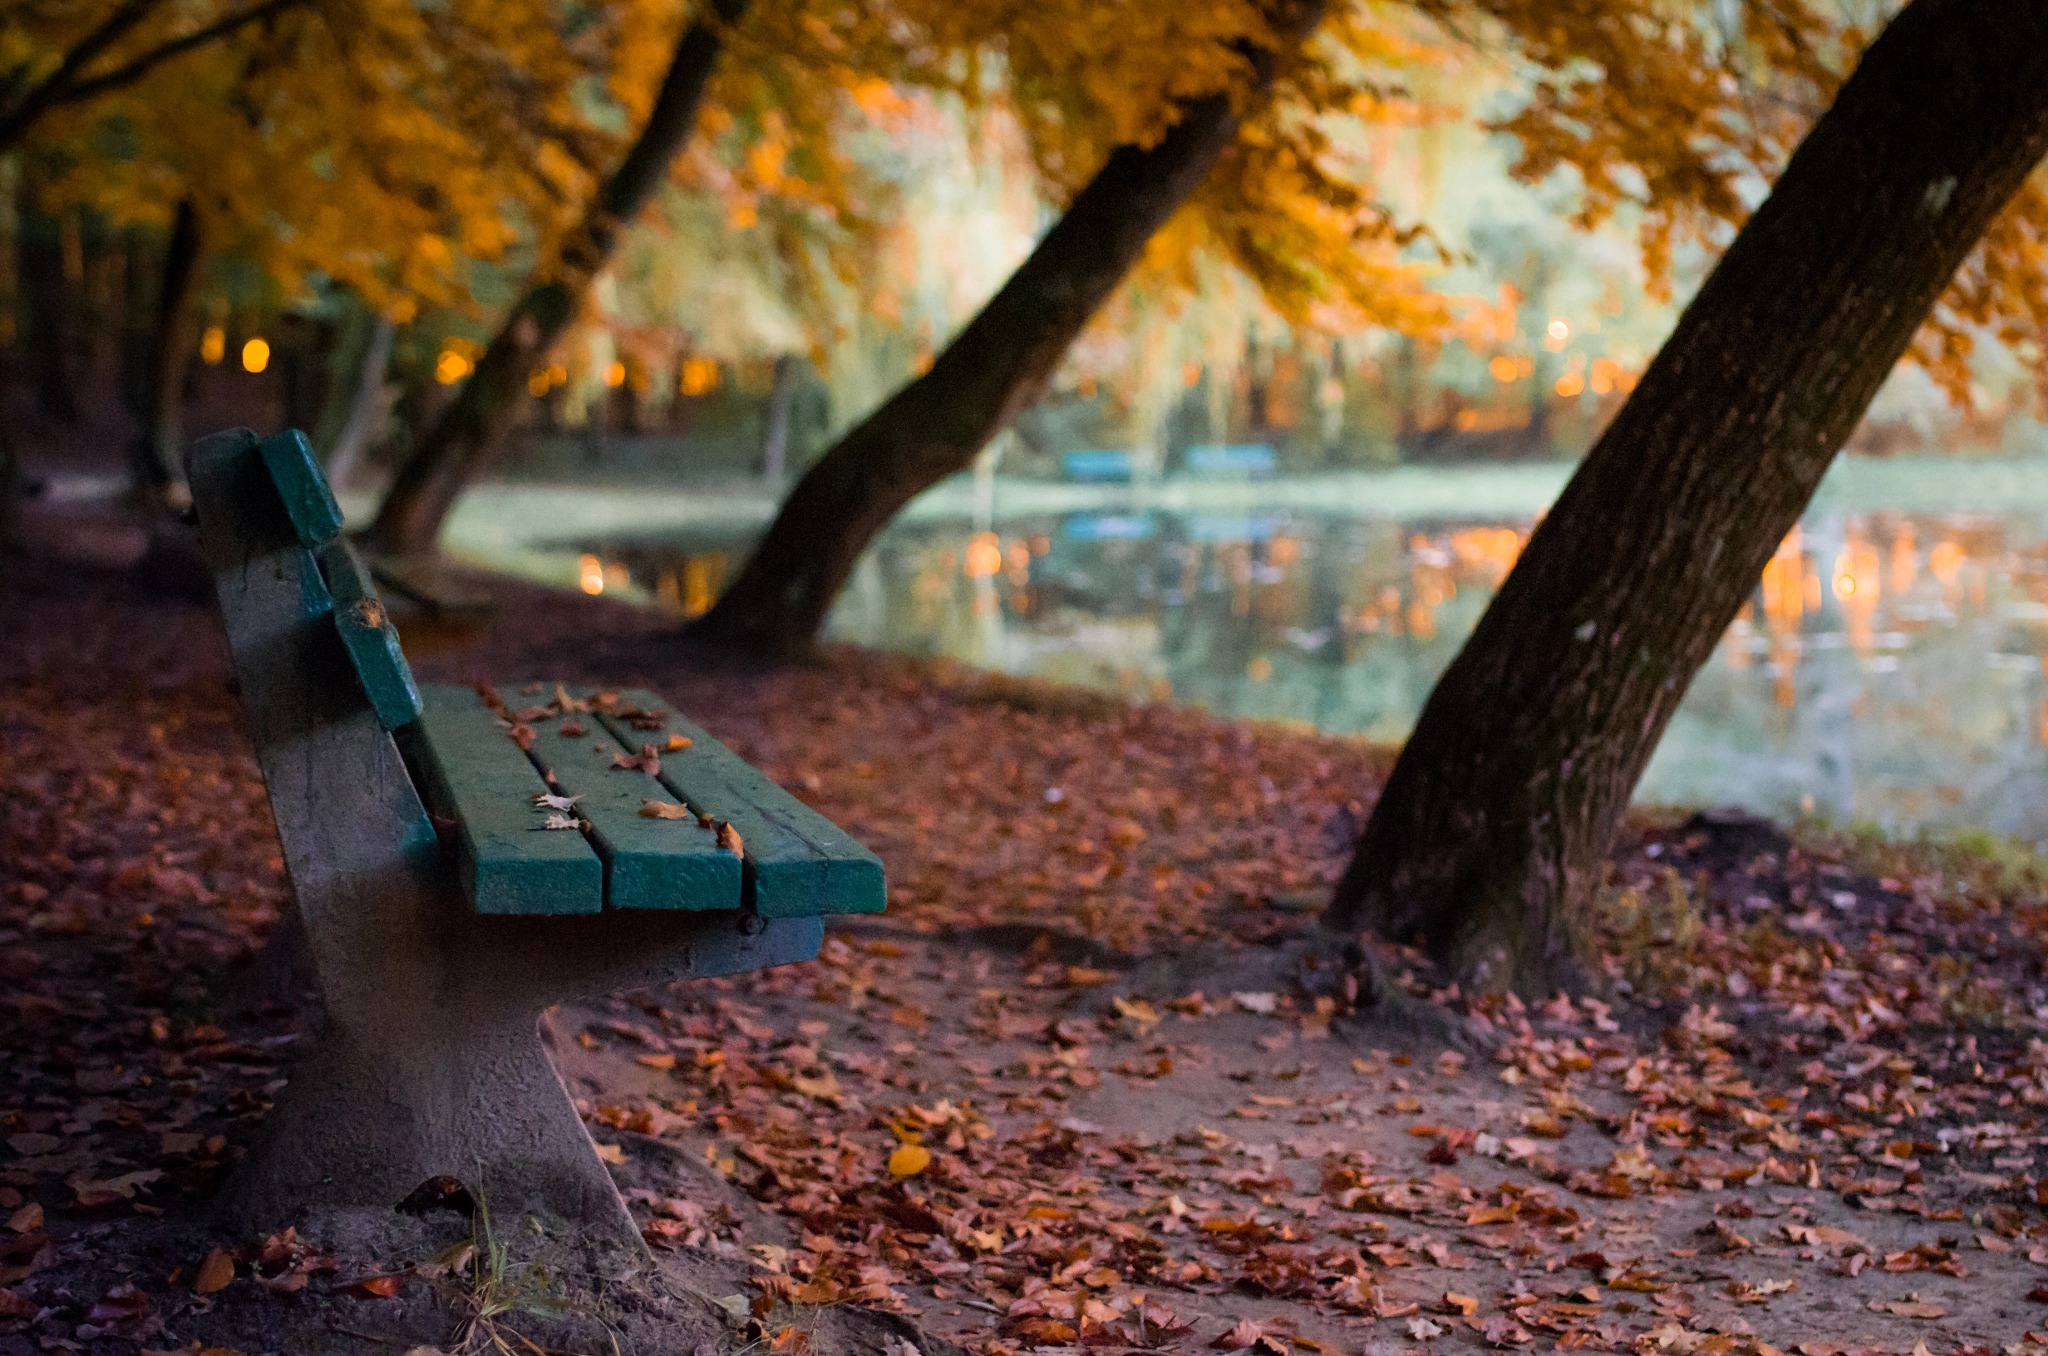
1888, 666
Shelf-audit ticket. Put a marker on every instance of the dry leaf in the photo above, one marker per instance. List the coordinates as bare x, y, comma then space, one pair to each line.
1421, 1329
729, 839
677, 743
214, 1273
561, 822
611, 1153
26, 1220
661, 1061
661, 809
376, 1287
1245, 1334
1909, 1308
1464, 1304
553, 802
909, 1160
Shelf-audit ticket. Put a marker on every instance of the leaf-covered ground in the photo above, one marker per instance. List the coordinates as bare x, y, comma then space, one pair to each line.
1096, 1081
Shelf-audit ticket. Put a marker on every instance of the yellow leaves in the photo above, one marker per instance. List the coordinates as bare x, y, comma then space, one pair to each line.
909, 1160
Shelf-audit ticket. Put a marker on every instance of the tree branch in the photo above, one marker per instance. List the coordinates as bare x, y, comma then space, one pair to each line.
63, 86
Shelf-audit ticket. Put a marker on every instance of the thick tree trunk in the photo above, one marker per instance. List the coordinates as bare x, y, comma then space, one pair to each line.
471, 430
156, 457
992, 370
1492, 832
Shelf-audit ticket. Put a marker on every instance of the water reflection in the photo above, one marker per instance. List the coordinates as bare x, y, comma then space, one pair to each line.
1889, 666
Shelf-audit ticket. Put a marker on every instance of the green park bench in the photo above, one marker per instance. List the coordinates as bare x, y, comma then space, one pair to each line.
442, 911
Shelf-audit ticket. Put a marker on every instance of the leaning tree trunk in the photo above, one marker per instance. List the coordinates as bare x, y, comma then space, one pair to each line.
156, 457
775, 432
993, 369
473, 427
1491, 834
367, 407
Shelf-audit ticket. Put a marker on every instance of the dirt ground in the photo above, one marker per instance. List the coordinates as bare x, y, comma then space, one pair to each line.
1096, 1081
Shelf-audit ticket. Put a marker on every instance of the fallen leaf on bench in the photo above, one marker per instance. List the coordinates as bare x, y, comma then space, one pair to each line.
567, 702
561, 822
648, 760
214, 1273
611, 1153
661, 809
557, 802
729, 839
677, 743
572, 728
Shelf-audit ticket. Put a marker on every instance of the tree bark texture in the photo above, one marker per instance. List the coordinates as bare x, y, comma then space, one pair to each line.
775, 432
1492, 832
992, 370
368, 407
471, 430
156, 457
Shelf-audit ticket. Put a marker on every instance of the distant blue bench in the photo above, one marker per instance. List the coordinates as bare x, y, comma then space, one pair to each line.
463, 860
1099, 464
1251, 461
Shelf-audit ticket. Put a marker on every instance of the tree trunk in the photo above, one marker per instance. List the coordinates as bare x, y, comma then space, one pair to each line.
12, 491
49, 299
992, 370
470, 431
155, 457
775, 436
367, 408
1491, 835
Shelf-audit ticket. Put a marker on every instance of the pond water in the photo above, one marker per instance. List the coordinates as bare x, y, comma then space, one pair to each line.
1889, 668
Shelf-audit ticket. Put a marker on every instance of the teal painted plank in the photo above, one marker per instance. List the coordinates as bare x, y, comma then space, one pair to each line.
649, 863
316, 518
799, 863
477, 776
369, 636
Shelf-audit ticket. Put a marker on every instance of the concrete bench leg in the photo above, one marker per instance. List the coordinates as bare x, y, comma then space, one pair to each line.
382, 1106
432, 1063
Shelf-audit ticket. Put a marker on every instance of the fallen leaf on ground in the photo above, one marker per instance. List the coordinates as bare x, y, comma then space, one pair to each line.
214, 1273
909, 1160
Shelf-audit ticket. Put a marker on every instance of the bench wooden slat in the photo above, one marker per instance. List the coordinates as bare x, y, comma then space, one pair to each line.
799, 863
369, 636
477, 776
315, 517
648, 863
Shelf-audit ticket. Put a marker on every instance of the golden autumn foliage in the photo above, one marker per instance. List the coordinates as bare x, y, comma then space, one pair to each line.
1686, 113
389, 145
382, 144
